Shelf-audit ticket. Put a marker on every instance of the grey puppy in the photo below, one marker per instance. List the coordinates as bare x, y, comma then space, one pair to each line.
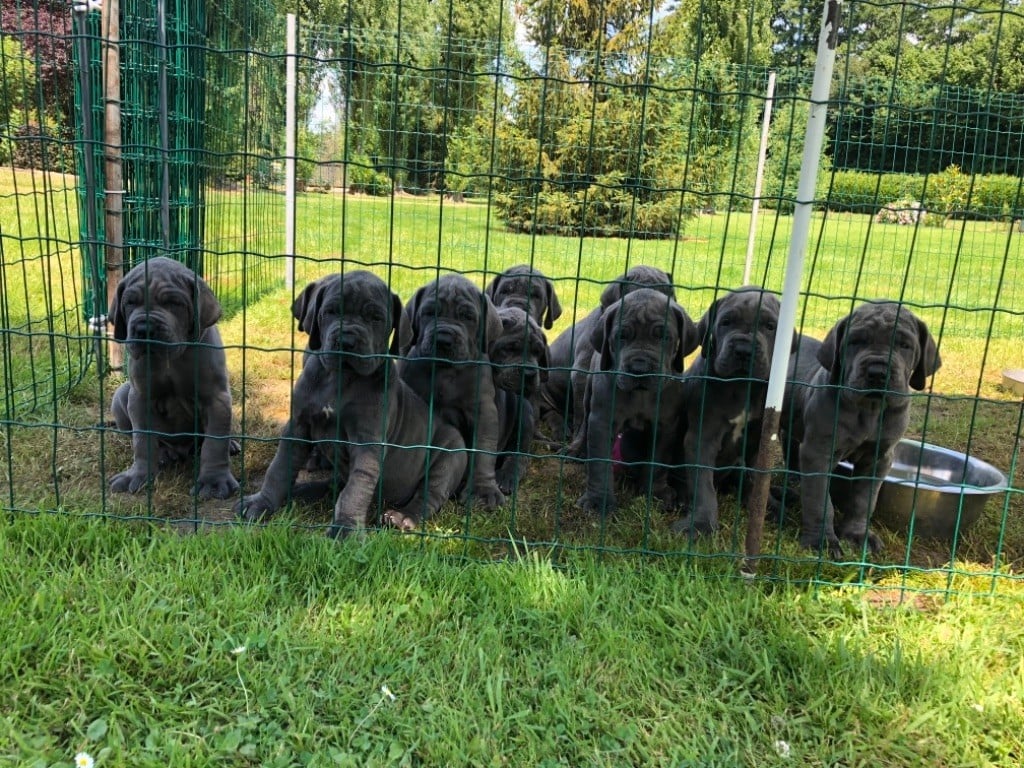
848, 400
451, 322
177, 384
527, 288
561, 398
723, 399
350, 403
519, 360
641, 342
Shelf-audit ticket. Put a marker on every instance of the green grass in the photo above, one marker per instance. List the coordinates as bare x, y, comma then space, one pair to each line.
127, 642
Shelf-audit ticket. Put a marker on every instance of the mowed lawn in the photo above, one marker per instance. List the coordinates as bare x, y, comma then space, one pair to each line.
279, 648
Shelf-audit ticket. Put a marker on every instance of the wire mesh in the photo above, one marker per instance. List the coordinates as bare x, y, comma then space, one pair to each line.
429, 144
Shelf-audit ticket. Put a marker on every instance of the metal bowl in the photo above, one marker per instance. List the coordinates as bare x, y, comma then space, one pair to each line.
932, 486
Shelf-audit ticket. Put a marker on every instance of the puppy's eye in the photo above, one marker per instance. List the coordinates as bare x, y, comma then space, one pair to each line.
724, 322
465, 313
658, 331
770, 327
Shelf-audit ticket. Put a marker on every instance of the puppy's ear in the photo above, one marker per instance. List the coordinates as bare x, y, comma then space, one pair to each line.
411, 317
613, 292
831, 350
491, 291
492, 323
208, 309
929, 361
544, 360
302, 304
311, 316
602, 335
554, 308
689, 336
115, 314
706, 330
401, 337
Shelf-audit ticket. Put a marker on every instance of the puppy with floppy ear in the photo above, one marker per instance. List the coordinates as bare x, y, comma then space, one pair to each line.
452, 323
641, 342
723, 400
527, 288
848, 399
350, 403
177, 393
572, 355
519, 361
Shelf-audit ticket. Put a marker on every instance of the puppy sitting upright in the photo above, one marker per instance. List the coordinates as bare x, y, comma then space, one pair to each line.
519, 360
850, 402
641, 340
723, 398
350, 402
452, 322
177, 390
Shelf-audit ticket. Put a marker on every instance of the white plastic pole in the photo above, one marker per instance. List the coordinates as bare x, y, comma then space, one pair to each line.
762, 154
809, 163
290, 149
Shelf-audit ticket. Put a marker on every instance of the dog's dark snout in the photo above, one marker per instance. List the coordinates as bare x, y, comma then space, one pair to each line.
639, 366
877, 372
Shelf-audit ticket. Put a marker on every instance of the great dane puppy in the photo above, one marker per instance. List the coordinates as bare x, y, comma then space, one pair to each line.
527, 288
850, 401
723, 399
572, 354
452, 322
177, 390
350, 403
641, 342
519, 360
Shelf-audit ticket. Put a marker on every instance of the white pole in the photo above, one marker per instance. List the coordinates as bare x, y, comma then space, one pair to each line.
290, 151
762, 153
809, 163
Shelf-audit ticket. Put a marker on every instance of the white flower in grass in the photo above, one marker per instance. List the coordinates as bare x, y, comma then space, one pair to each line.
239, 650
84, 760
782, 748
387, 692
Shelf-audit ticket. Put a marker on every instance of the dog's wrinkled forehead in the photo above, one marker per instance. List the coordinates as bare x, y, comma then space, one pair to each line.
356, 293
157, 280
648, 309
748, 309
452, 297
882, 324
517, 324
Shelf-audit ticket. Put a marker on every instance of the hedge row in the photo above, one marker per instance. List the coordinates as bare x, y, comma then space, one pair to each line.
950, 193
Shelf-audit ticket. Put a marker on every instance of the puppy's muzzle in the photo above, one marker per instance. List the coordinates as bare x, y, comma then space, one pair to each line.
147, 335
638, 372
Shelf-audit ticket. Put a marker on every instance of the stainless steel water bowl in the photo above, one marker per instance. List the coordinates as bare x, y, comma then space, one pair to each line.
932, 486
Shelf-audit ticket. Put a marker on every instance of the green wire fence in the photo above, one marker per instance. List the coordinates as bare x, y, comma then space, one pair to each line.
438, 138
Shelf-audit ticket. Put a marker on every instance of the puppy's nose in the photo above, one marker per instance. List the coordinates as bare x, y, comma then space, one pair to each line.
743, 348
349, 341
877, 373
142, 330
444, 340
639, 366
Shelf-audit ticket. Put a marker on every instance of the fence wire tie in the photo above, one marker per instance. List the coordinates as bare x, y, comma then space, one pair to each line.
84, 6
97, 323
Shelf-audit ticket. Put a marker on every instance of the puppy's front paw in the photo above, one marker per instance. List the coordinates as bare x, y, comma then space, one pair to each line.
597, 503
253, 508
828, 543
490, 497
403, 521
861, 535
217, 486
131, 480
689, 525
